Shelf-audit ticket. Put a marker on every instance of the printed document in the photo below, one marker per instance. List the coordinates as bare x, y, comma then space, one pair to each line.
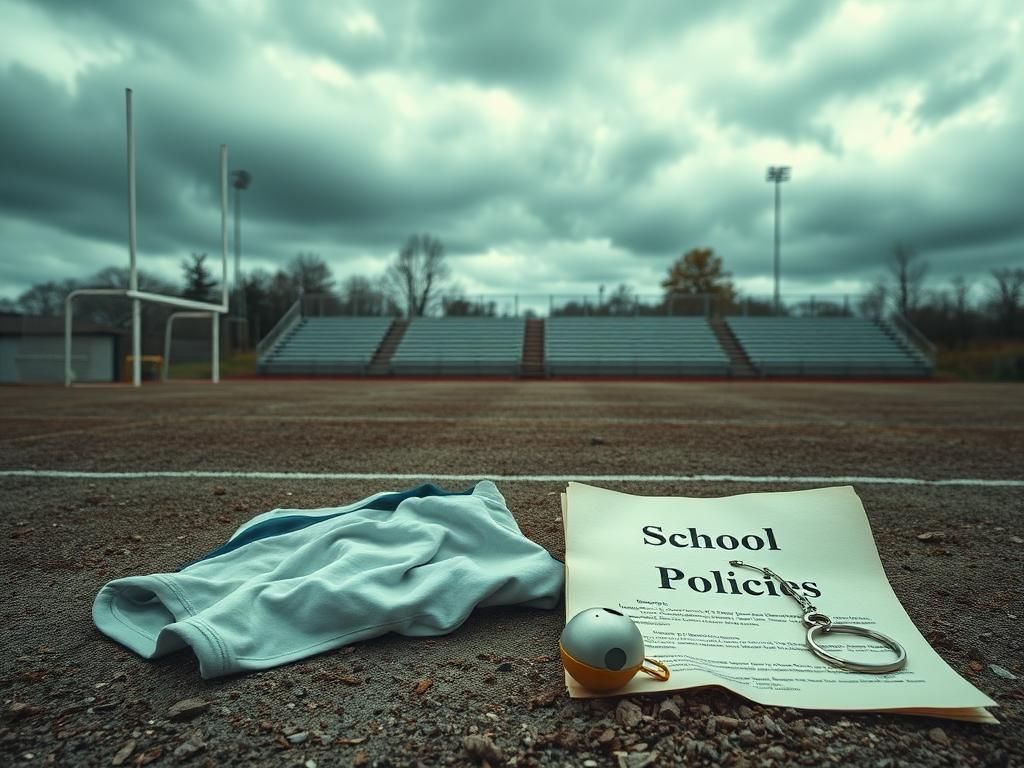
664, 562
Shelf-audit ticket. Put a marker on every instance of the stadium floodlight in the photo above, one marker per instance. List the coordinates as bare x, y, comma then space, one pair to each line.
241, 179
132, 292
777, 174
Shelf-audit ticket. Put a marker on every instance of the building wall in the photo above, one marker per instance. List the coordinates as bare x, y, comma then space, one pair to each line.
28, 359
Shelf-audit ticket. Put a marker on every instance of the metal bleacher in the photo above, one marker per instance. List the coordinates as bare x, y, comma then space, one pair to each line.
467, 346
827, 346
326, 345
630, 346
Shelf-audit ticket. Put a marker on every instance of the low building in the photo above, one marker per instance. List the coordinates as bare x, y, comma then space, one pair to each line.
32, 350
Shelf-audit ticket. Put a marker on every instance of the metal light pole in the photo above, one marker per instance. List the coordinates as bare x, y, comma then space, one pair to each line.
242, 180
777, 174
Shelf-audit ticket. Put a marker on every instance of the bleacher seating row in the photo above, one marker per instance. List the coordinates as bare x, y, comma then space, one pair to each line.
466, 346
825, 346
596, 346
326, 345
624, 346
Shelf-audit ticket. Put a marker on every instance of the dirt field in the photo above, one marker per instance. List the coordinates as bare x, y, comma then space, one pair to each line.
70, 696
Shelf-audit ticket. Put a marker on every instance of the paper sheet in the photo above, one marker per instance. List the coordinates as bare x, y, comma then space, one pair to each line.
664, 561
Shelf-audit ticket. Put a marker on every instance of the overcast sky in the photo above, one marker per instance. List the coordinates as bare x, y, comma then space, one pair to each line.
553, 147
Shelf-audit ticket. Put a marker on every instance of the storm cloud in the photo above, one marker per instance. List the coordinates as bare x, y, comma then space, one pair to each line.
553, 147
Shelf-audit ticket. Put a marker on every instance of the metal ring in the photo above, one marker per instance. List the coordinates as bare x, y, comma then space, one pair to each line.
856, 666
655, 669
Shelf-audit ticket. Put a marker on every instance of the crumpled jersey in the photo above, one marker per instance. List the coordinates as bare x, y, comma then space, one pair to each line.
291, 583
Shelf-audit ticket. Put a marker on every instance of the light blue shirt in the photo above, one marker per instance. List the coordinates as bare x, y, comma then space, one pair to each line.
291, 583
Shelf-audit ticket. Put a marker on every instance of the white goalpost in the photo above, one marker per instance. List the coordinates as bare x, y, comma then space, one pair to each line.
214, 311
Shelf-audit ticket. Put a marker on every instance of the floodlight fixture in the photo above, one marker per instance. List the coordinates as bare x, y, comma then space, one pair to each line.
777, 174
241, 179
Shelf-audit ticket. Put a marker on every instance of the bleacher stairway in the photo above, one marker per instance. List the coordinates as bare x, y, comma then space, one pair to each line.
739, 363
533, 349
380, 365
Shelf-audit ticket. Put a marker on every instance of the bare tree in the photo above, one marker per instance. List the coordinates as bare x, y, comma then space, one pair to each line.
418, 272
311, 274
872, 303
908, 271
962, 316
1006, 298
362, 296
46, 299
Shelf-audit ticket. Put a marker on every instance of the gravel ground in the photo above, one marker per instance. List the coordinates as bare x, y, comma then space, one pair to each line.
492, 691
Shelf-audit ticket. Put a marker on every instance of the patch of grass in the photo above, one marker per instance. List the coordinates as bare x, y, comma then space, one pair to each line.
242, 364
984, 361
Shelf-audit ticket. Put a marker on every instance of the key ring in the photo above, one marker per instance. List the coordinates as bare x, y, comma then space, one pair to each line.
818, 624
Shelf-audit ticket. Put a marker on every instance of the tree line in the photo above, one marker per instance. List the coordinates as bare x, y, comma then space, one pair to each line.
952, 316
417, 282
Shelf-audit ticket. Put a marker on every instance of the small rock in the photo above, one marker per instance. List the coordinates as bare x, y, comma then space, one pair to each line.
310, 764
505, 666
123, 753
939, 736
607, 736
422, 686
931, 536
975, 666
747, 738
219, 491
628, 714
186, 709
190, 748
776, 752
19, 709
298, 738
598, 441
1002, 672
745, 712
770, 725
481, 748
726, 723
149, 756
1017, 540
590, 763
638, 759
668, 710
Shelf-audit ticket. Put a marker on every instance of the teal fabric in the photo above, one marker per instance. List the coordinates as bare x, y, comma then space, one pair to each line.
300, 582
286, 521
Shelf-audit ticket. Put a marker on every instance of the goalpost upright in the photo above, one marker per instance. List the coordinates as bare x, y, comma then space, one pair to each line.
137, 296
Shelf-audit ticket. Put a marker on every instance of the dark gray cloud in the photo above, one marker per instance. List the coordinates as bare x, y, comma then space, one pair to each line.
553, 146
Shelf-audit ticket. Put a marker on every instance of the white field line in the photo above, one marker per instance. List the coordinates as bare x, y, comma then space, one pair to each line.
800, 479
